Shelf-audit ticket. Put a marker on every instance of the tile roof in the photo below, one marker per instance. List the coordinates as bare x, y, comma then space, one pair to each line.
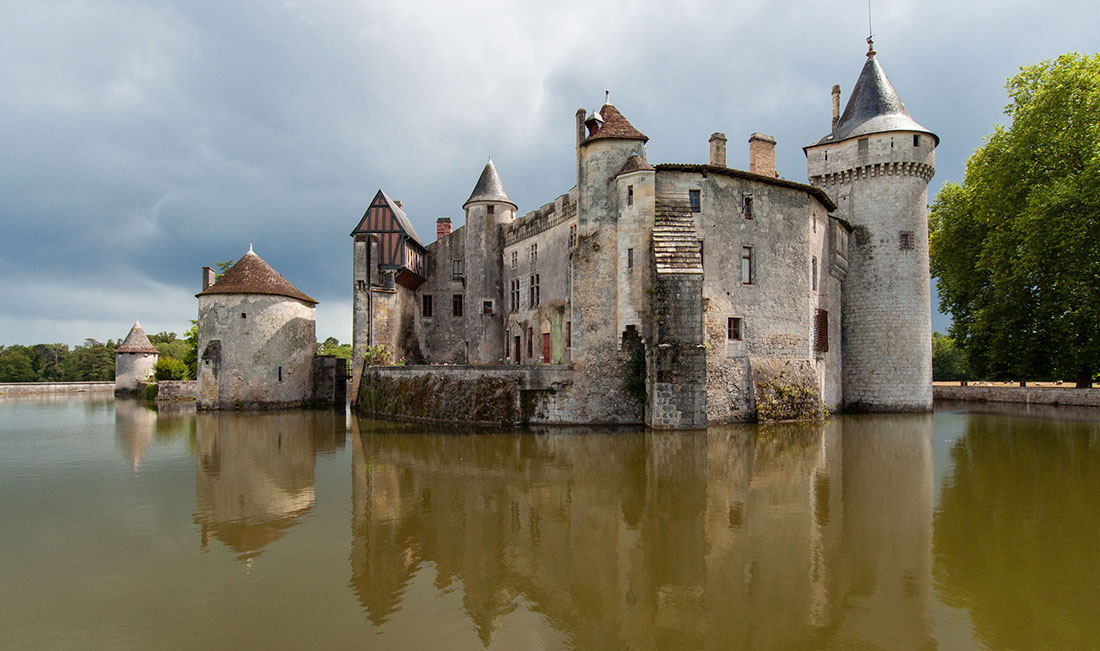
615, 126
136, 342
634, 164
816, 192
251, 275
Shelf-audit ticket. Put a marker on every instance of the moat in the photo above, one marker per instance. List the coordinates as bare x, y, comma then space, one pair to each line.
128, 528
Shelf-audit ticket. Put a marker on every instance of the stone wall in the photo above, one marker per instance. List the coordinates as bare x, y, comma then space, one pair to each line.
177, 390
442, 335
1067, 396
20, 388
678, 375
468, 394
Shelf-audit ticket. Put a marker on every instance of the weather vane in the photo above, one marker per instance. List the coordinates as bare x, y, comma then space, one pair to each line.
870, 32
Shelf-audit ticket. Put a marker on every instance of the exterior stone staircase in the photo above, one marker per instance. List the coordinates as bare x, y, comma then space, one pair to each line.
675, 241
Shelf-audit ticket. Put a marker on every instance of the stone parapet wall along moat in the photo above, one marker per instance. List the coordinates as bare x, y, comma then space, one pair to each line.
1068, 396
12, 388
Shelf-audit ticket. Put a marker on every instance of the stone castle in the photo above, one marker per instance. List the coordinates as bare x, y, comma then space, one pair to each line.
672, 294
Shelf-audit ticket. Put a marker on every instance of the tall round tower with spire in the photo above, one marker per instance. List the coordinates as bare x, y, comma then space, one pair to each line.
488, 207
876, 164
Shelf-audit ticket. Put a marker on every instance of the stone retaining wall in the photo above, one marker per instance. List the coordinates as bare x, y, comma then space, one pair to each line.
1027, 395
173, 390
464, 393
14, 388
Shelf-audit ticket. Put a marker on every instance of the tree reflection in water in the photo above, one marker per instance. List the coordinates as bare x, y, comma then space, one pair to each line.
1018, 510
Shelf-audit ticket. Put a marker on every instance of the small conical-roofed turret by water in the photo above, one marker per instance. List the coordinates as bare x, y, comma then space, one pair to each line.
490, 188
136, 342
135, 359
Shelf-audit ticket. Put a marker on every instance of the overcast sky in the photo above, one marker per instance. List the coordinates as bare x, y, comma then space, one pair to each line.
142, 140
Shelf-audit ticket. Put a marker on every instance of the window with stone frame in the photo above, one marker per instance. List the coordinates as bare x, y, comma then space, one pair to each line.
458, 270
906, 240
733, 328
426, 305
695, 200
514, 294
813, 273
515, 259
630, 195
821, 331
534, 252
630, 258
748, 271
746, 206
456, 305
533, 291
487, 307
568, 334
572, 235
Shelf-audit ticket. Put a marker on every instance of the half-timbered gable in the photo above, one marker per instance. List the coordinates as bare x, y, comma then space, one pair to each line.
399, 247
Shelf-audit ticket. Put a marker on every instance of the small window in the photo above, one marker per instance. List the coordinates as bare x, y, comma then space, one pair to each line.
458, 270
746, 265
426, 308
630, 258
733, 328
515, 295
906, 240
572, 235
490, 209
568, 334
630, 195
821, 331
534, 252
533, 291
813, 273
280, 373
487, 307
863, 144
693, 199
530, 343
515, 259
456, 305
243, 315
916, 140
746, 206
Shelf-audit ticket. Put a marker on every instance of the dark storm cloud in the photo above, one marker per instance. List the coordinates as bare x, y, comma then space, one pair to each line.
141, 140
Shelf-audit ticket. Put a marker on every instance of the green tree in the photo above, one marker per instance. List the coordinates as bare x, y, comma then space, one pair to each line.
332, 346
222, 268
1016, 246
948, 362
191, 357
15, 365
93, 361
169, 368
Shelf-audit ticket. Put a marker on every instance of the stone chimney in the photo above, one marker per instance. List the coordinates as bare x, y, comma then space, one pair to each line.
762, 154
442, 227
580, 125
207, 277
718, 149
836, 105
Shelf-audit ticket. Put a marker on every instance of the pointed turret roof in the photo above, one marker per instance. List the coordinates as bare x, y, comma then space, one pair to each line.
634, 164
874, 107
489, 187
615, 126
251, 275
136, 342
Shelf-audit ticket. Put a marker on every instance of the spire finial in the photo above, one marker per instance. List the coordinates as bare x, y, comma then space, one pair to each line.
137, 323
870, 32
250, 249
607, 97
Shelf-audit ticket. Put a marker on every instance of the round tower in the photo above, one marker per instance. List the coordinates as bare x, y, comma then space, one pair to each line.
257, 339
876, 165
134, 361
488, 207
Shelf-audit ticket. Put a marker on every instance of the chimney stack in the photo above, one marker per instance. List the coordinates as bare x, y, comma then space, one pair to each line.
762, 154
580, 125
718, 149
207, 277
836, 105
442, 227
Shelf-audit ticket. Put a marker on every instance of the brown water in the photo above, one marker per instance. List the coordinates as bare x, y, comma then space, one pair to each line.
124, 528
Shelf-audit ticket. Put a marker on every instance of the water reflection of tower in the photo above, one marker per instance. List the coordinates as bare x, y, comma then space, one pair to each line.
135, 425
255, 474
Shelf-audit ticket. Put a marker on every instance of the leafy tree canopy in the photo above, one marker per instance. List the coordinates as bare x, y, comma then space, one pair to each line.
948, 363
1016, 246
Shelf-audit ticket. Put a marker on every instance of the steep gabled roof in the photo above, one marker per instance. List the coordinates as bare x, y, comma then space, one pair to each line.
874, 107
615, 126
251, 275
489, 187
136, 342
398, 214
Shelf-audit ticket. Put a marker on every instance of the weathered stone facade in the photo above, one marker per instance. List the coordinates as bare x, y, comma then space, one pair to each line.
679, 294
135, 360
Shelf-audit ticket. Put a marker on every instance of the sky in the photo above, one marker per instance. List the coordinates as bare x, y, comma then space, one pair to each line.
141, 140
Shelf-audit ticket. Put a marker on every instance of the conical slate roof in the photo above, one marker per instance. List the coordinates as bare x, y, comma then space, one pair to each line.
489, 187
874, 107
251, 275
136, 342
616, 126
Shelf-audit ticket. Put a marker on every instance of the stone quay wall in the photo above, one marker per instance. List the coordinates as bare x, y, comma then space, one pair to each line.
1067, 396
473, 394
13, 388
